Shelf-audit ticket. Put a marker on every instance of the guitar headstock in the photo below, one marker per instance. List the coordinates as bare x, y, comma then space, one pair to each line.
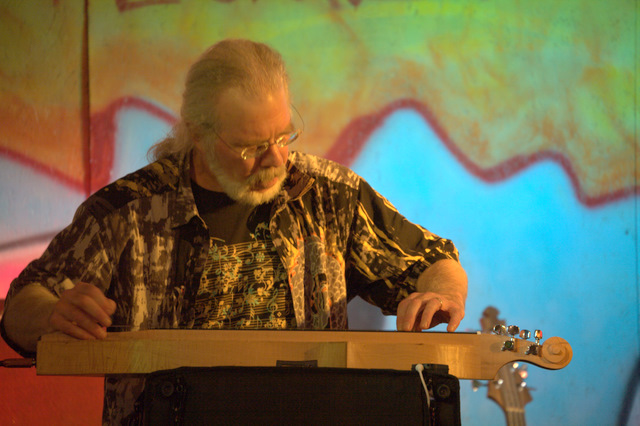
510, 392
514, 344
554, 353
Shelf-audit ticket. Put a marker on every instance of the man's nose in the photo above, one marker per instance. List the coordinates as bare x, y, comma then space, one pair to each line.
274, 156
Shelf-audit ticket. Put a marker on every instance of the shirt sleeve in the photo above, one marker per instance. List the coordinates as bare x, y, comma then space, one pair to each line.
387, 253
77, 253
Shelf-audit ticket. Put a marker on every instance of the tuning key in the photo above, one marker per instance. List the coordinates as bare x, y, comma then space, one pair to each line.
533, 348
509, 345
537, 334
525, 334
500, 329
513, 330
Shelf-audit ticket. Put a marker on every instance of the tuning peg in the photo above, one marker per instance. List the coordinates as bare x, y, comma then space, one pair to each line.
500, 329
509, 345
525, 334
533, 348
537, 334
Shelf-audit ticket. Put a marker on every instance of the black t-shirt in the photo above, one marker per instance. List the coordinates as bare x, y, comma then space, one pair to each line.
244, 284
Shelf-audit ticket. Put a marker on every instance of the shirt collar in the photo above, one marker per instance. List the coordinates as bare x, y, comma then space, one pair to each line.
297, 183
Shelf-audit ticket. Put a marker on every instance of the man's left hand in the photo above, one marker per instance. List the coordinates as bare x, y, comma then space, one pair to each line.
421, 311
440, 297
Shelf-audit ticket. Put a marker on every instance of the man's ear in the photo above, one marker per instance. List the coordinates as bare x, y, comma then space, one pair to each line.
194, 134
191, 130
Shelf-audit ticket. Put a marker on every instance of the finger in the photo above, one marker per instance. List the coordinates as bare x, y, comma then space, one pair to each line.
400, 315
106, 304
408, 311
76, 314
88, 307
432, 306
79, 318
87, 300
61, 323
456, 317
88, 324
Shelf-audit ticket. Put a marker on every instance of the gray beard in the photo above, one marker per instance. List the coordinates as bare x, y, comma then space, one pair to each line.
241, 191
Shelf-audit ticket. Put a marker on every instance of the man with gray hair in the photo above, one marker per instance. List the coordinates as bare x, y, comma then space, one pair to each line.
228, 229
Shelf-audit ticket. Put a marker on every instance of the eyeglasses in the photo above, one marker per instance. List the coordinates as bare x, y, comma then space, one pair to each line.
254, 151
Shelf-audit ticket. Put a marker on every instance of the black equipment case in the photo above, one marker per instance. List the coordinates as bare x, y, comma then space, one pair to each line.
299, 395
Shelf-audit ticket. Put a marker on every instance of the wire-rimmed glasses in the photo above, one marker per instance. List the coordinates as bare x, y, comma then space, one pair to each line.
257, 150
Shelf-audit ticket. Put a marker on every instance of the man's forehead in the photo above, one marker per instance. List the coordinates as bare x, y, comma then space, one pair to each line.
255, 94
253, 117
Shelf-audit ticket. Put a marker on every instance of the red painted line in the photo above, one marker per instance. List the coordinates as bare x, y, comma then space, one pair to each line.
355, 135
124, 5
348, 146
42, 168
103, 133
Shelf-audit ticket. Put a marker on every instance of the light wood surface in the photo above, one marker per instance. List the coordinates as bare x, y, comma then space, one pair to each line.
468, 355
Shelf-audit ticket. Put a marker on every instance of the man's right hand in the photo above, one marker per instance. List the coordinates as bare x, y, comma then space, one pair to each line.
83, 312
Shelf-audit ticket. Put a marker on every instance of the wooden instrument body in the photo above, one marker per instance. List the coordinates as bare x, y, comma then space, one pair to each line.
468, 355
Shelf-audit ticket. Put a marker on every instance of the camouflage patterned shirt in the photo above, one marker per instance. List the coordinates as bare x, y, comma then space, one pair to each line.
336, 237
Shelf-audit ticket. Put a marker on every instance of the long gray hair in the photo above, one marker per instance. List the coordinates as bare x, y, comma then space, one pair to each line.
252, 67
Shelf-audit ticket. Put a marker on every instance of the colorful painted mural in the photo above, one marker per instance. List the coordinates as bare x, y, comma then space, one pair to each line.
509, 126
